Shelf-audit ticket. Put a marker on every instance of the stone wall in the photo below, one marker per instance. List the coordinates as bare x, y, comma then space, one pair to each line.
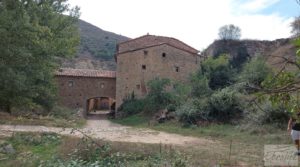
136, 68
74, 92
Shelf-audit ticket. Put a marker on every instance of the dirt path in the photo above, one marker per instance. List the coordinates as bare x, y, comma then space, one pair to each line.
104, 129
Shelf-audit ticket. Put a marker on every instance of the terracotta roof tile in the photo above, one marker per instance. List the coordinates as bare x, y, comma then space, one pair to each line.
85, 73
151, 40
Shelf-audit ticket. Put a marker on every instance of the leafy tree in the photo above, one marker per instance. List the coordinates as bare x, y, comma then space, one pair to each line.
230, 32
200, 85
217, 71
296, 27
254, 73
32, 34
158, 97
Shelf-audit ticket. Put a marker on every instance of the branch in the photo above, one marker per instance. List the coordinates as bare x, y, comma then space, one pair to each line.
289, 61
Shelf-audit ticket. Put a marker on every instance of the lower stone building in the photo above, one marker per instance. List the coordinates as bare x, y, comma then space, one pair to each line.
87, 89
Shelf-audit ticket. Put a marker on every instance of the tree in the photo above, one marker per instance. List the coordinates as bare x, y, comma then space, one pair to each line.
296, 27
33, 33
217, 71
254, 73
230, 32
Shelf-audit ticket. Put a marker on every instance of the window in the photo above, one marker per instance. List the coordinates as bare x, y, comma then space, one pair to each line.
144, 67
145, 52
163, 55
138, 87
102, 85
177, 69
71, 83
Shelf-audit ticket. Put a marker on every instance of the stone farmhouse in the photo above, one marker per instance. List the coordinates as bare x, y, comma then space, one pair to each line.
138, 61
88, 89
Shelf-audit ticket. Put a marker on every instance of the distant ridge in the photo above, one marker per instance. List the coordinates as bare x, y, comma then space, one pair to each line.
96, 50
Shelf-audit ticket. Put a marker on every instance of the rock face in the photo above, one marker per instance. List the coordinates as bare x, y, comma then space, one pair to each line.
272, 50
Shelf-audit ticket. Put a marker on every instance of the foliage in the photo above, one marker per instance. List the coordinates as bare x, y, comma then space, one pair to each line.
222, 106
99, 43
133, 106
188, 113
32, 34
230, 32
296, 27
225, 105
254, 73
158, 97
265, 113
36, 139
200, 85
217, 71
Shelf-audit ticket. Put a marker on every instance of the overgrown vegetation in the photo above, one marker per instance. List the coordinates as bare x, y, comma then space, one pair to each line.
219, 93
58, 117
49, 149
33, 34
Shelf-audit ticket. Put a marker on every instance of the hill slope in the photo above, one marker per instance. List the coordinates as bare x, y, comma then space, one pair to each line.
274, 51
96, 50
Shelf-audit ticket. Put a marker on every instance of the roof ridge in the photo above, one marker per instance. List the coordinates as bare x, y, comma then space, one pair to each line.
161, 40
130, 40
86, 69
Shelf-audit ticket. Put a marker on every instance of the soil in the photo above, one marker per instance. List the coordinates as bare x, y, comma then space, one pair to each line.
106, 130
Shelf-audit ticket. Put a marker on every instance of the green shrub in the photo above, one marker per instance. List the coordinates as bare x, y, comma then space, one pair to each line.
62, 112
265, 113
225, 105
35, 139
187, 113
133, 106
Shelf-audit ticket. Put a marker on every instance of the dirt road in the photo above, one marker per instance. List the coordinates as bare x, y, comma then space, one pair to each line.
105, 129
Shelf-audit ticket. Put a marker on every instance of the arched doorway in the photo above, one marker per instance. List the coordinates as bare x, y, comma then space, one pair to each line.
100, 105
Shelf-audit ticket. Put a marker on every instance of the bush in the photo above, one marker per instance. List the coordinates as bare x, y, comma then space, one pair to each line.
63, 112
254, 73
225, 105
187, 113
133, 106
266, 114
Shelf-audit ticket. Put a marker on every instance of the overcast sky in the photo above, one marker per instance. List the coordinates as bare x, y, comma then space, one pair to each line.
195, 22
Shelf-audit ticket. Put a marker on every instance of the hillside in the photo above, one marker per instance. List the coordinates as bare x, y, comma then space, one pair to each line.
96, 50
242, 49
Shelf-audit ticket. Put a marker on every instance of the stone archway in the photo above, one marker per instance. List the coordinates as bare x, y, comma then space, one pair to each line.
99, 105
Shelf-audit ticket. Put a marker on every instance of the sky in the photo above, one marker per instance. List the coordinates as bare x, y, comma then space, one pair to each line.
195, 22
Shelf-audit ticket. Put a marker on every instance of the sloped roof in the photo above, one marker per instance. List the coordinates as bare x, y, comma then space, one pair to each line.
152, 40
85, 73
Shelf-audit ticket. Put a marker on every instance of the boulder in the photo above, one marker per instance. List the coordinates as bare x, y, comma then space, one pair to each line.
7, 149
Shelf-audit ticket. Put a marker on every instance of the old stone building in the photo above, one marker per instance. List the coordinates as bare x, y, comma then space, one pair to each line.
87, 89
138, 61
145, 58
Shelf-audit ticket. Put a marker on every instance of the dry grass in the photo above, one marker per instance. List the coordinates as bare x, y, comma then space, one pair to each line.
8, 119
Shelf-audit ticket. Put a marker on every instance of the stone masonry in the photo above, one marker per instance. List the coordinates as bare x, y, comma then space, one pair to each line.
77, 86
138, 61
143, 59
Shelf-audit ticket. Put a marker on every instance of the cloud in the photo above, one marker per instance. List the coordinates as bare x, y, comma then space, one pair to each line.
256, 5
195, 22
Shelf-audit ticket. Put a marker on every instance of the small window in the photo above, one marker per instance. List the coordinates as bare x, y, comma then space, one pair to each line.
177, 69
102, 85
163, 55
145, 52
144, 67
138, 86
71, 83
